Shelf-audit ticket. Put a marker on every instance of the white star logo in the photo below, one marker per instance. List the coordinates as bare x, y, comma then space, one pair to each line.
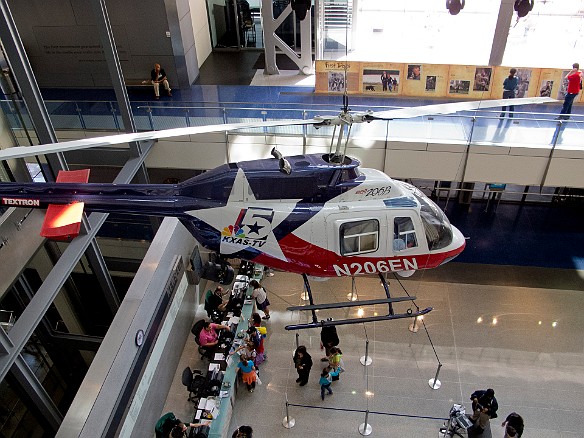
259, 220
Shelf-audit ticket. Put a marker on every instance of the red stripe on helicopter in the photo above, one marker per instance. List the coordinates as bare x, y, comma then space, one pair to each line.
305, 258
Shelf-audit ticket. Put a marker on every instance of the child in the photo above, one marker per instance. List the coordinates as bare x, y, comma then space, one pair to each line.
258, 342
248, 373
325, 382
336, 360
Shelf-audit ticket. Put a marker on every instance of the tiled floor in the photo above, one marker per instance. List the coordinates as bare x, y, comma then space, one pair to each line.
489, 328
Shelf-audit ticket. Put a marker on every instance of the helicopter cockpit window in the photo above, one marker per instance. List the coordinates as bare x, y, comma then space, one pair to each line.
348, 175
436, 225
359, 237
404, 234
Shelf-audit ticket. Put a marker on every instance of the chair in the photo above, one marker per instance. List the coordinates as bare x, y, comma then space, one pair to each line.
194, 381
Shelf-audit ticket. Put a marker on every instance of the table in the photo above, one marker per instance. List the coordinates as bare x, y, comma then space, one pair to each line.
220, 424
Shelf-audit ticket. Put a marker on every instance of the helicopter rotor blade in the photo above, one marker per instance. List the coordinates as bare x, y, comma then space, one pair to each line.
450, 108
86, 143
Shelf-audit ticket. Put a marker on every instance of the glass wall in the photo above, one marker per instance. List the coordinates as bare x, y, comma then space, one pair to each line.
235, 24
552, 36
408, 31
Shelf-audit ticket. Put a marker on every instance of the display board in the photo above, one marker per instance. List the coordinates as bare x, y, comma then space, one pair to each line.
436, 80
330, 76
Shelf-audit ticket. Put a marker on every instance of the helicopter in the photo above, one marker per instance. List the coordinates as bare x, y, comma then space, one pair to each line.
318, 215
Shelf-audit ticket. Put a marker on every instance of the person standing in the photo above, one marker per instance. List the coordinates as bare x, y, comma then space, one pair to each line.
258, 342
384, 81
328, 339
325, 382
484, 407
248, 374
243, 432
574, 78
513, 425
303, 364
261, 298
158, 76
509, 87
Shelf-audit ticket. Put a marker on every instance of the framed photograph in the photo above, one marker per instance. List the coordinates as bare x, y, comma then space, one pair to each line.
430, 83
414, 72
524, 76
336, 81
563, 86
459, 87
380, 81
546, 88
482, 80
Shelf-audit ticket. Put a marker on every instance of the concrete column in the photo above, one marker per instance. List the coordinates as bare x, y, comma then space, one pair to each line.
501, 32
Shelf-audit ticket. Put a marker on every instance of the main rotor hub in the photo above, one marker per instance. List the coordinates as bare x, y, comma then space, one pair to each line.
345, 118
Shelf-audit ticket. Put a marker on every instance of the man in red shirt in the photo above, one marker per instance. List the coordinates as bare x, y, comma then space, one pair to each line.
574, 78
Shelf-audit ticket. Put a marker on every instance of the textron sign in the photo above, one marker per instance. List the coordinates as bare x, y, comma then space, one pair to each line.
21, 202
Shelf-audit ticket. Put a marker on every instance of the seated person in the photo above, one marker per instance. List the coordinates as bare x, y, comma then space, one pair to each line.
484, 407
170, 426
208, 336
157, 77
214, 302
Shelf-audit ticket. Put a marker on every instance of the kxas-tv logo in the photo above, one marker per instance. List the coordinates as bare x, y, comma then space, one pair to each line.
252, 227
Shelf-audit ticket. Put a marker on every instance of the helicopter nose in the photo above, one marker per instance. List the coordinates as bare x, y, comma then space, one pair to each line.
458, 241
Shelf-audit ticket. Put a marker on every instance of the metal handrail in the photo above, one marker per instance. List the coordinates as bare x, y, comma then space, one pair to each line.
303, 110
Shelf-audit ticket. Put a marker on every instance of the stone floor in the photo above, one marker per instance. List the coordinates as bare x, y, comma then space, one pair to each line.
525, 342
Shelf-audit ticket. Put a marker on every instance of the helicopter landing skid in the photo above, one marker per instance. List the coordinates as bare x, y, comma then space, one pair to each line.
324, 323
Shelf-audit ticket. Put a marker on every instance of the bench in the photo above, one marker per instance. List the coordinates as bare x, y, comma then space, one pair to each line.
137, 83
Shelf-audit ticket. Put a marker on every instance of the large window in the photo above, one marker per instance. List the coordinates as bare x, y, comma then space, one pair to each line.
552, 35
359, 237
412, 31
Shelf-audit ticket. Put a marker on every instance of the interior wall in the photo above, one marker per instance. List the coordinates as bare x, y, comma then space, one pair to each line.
201, 30
62, 42
97, 400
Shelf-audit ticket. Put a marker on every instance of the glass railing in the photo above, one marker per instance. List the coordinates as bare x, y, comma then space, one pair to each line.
481, 127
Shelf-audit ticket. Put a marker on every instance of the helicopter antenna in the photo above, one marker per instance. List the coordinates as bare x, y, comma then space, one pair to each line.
345, 108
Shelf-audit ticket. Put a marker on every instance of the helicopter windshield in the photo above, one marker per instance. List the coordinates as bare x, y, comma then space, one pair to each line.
436, 225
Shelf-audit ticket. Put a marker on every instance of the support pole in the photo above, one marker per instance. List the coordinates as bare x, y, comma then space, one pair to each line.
413, 326
386, 288
310, 300
435, 383
366, 360
288, 422
353, 296
297, 342
304, 295
365, 428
